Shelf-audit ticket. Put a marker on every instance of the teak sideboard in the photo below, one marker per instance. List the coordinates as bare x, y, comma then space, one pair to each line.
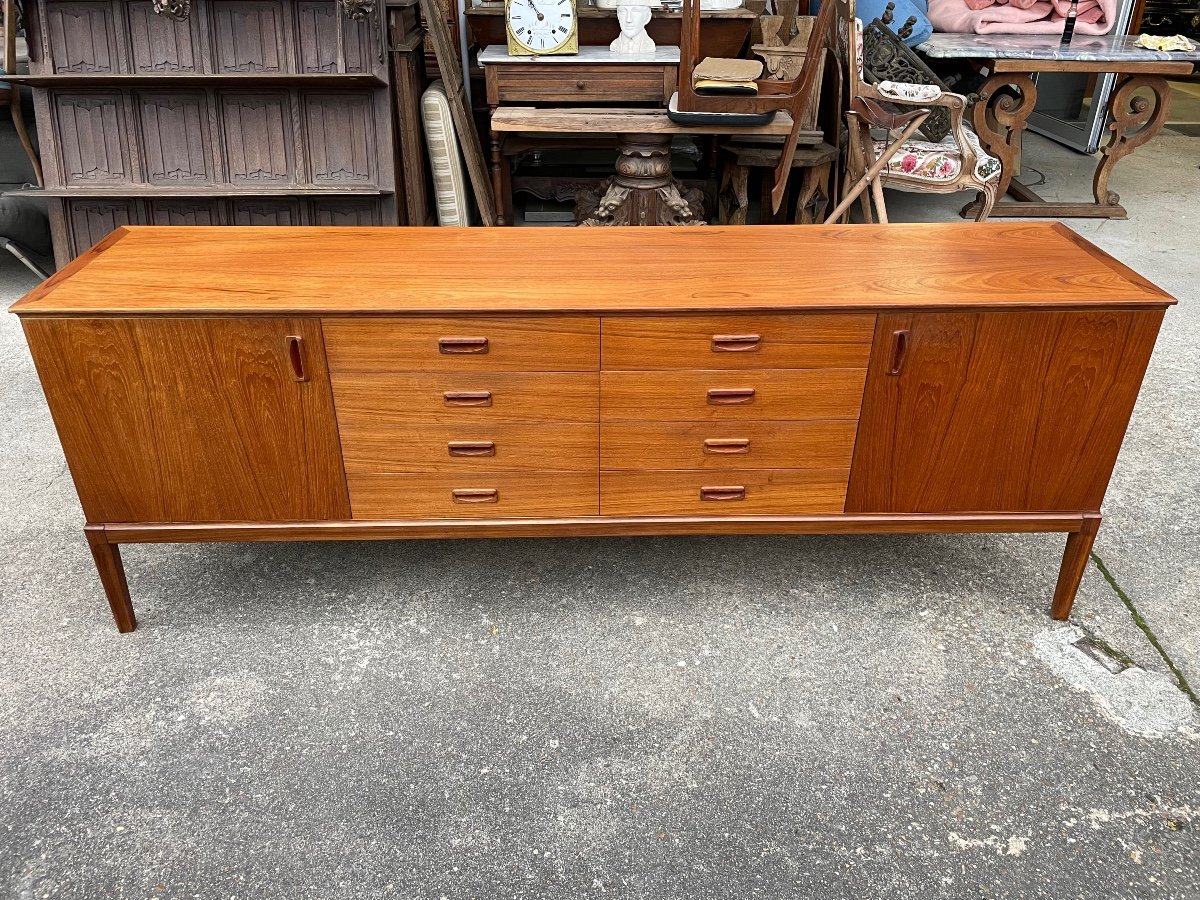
230, 384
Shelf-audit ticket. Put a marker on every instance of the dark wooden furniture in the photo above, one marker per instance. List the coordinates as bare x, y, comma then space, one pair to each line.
268, 384
1138, 106
248, 113
10, 91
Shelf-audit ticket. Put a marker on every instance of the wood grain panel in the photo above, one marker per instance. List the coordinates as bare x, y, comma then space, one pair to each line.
340, 138
464, 448
266, 211
433, 496
318, 36
813, 341
862, 268
739, 492
818, 444
391, 400
192, 419
93, 220
566, 83
82, 37
160, 45
534, 344
998, 411
175, 140
92, 137
343, 212
249, 36
777, 394
258, 138
184, 212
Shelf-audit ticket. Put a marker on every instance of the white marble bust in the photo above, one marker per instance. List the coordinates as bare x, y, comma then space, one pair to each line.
632, 16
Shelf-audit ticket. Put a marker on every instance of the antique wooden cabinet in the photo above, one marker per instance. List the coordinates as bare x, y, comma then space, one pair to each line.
247, 112
331, 384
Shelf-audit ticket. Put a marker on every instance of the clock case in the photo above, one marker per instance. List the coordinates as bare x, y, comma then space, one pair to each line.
569, 47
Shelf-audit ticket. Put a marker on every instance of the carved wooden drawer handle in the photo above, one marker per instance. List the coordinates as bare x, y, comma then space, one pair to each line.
295, 350
730, 396
472, 448
736, 343
463, 345
727, 446
476, 495
727, 492
467, 398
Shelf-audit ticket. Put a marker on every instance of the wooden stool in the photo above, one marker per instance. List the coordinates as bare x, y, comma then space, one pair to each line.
815, 163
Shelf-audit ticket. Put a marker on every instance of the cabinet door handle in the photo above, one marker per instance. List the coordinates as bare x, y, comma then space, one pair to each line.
476, 495
735, 343
899, 351
467, 398
472, 448
726, 492
730, 396
727, 446
463, 345
295, 351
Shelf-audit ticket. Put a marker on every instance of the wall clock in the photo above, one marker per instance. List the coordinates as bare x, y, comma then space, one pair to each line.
541, 27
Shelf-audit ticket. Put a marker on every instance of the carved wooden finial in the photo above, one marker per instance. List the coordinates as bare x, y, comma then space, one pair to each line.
888, 14
907, 28
172, 9
358, 9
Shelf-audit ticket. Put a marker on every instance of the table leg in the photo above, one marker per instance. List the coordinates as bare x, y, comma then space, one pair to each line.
1134, 121
1000, 118
643, 192
112, 575
498, 179
1074, 563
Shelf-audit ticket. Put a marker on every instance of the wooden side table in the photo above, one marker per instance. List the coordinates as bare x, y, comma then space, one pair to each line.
741, 156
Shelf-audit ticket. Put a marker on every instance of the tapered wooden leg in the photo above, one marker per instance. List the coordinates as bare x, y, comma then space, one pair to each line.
112, 576
498, 179
1074, 562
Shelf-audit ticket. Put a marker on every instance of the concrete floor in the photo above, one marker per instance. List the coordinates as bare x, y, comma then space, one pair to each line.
823, 717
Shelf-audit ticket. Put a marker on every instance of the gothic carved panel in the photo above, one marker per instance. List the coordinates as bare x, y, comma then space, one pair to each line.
91, 220
258, 140
362, 46
82, 36
318, 20
345, 211
160, 44
175, 139
249, 36
91, 127
186, 211
341, 137
282, 211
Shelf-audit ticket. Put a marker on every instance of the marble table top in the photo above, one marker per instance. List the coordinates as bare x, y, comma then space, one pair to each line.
498, 54
1084, 47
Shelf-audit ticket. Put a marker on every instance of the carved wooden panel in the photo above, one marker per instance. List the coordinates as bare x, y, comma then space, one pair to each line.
345, 211
248, 36
318, 24
267, 211
186, 211
175, 142
258, 139
362, 47
91, 136
91, 220
340, 138
82, 36
159, 44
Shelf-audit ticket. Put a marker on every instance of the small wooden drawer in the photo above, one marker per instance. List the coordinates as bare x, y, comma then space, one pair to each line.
470, 448
781, 394
483, 496
539, 82
817, 444
736, 492
385, 400
798, 341
466, 344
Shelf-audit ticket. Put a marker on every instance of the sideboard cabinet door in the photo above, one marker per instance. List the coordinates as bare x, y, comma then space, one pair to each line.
997, 411
193, 420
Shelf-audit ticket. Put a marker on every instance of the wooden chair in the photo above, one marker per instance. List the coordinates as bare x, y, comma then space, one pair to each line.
899, 160
10, 94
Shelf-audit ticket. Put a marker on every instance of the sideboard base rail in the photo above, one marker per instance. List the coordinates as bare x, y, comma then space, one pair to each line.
104, 540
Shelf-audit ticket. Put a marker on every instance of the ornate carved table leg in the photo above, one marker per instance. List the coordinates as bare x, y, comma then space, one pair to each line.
498, 178
112, 576
1074, 562
1000, 119
1134, 121
643, 191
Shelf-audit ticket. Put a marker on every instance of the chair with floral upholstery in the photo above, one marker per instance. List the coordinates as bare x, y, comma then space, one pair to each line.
957, 163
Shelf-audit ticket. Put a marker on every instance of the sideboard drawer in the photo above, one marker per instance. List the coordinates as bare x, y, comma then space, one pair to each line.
736, 492
815, 444
454, 344
392, 399
732, 396
470, 448
601, 83
797, 341
483, 496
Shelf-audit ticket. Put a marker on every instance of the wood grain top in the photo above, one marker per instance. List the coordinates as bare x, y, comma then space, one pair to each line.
309, 270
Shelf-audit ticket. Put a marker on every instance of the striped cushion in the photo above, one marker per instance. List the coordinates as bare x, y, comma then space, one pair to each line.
449, 186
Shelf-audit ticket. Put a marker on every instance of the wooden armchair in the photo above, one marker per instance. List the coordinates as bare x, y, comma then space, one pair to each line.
957, 163
10, 93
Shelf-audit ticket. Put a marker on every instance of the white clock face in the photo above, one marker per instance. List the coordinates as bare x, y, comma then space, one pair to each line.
541, 25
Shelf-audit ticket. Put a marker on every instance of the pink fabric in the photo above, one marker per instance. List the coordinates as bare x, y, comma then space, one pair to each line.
1020, 16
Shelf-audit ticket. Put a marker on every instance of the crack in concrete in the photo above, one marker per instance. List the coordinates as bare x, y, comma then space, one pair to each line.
1140, 621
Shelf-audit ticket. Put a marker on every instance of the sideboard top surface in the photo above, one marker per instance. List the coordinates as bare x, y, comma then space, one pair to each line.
267, 270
